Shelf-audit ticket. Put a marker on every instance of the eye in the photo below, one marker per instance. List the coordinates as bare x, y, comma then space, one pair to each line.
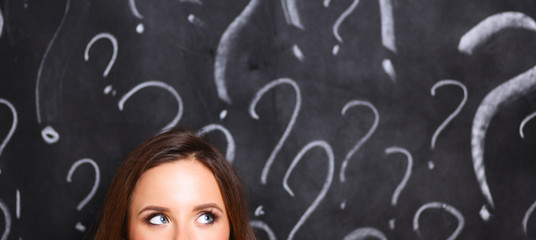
158, 219
206, 218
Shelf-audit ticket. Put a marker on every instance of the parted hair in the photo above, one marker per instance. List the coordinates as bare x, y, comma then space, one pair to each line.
173, 145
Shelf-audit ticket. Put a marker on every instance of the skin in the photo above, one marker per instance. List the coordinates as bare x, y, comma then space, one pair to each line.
178, 200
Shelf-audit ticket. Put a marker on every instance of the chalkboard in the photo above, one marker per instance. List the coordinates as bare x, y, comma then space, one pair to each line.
348, 119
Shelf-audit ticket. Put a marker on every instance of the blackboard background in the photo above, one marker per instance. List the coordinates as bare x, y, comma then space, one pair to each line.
183, 54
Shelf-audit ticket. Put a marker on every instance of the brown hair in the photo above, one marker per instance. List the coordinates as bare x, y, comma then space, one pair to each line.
166, 147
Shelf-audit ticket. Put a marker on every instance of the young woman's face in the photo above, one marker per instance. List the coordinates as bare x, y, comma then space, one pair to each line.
177, 200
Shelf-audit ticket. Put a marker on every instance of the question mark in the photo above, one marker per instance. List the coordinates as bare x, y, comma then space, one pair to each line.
388, 35
365, 233
290, 125
443, 206
505, 92
230, 153
13, 124
402, 184
132, 4
452, 115
339, 21
331, 168
7, 219
157, 84
73, 168
113, 40
358, 145
226, 46
263, 226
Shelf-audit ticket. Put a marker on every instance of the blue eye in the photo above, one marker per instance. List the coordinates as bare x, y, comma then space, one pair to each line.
158, 219
206, 218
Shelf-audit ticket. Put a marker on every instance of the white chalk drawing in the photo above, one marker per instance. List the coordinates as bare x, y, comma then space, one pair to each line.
228, 43
524, 122
389, 69
388, 25
259, 211
290, 125
405, 179
196, 21
365, 233
292, 14
231, 147
527, 216
329, 178
79, 226
263, 226
506, 92
338, 23
453, 114
407, 174
7, 220
95, 183
134, 10
298, 53
198, 2
161, 85
50, 135
13, 124
223, 114
1, 23
442, 206
17, 207
44, 59
357, 146
115, 46
490, 26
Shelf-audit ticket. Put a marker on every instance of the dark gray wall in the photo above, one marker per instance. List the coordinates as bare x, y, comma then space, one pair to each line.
347, 119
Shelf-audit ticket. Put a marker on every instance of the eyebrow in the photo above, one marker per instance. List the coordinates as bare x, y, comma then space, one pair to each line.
206, 206
153, 208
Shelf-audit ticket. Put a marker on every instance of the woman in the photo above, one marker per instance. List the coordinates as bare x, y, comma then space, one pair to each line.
175, 186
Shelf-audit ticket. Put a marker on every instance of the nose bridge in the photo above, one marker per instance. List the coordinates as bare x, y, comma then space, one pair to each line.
183, 231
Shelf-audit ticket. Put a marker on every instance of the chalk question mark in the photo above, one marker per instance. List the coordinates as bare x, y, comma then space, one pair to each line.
388, 35
112, 40
365, 138
49, 134
329, 178
132, 4
290, 125
79, 226
227, 46
451, 116
442, 206
161, 85
339, 21
231, 147
13, 124
365, 233
402, 184
505, 92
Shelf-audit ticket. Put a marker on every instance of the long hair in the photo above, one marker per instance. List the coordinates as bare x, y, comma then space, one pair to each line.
170, 146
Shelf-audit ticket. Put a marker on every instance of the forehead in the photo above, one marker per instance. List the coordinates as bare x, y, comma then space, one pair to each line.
178, 184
